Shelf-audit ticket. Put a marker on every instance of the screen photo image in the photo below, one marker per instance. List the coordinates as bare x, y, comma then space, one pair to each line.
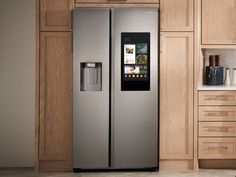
132, 69
142, 59
143, 70
142, 48
129, 54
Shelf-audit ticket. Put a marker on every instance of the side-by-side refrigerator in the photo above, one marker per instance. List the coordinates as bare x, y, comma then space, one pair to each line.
115, 88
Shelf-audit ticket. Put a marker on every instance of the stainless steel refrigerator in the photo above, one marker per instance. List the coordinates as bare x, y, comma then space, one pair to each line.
115, 88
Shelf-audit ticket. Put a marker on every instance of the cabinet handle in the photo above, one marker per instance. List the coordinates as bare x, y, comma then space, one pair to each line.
218, 129
219, 148
219, 113
219, 98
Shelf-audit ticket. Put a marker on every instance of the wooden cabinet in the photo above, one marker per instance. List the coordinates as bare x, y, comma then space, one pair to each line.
117, 1
176, 95
54, 94
55, 15
55, 140
217, 125
218, 22
176, 15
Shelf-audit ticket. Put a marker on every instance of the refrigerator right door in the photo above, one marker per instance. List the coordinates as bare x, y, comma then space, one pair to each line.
135, 88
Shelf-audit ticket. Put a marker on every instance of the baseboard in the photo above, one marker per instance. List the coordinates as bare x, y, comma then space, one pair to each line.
55, 166
217, 163
16, 160
176, 164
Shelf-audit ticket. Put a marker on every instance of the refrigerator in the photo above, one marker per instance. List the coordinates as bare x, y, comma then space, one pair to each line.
115, 88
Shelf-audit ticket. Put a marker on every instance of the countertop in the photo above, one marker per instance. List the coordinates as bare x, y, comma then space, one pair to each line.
218, 87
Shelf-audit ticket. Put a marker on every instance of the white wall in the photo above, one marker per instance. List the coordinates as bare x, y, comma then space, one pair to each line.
17, 82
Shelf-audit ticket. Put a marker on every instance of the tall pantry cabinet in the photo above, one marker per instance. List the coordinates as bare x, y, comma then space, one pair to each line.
176, 84
54, 130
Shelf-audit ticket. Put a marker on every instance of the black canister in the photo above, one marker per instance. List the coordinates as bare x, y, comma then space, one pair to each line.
214, 75
214, 72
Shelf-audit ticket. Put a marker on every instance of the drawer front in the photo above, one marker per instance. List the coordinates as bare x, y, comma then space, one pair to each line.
217, 113
217, 148
217, 97
217, 128
117, 1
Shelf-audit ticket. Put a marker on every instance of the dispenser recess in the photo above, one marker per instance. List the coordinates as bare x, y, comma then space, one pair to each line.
91, 76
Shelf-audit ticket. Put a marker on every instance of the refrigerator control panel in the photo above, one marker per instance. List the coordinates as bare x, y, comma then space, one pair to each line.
135, 61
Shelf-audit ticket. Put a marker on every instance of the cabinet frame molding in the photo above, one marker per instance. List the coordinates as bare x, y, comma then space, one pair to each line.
112, 5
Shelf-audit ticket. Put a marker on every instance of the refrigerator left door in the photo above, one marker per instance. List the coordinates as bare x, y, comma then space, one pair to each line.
90, 88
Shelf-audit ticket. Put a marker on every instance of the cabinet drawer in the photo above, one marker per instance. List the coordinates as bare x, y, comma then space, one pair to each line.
217, 97
217, 113
217, 148
217, 128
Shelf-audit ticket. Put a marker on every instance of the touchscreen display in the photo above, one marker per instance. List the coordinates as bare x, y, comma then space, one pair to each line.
135, 64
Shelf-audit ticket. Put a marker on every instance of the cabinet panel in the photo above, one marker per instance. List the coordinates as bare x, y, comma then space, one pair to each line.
55, 141
176, 95
218, 22
55, 15
117, 1
217, 148
176, 15
217, 98
217, 128
217, 113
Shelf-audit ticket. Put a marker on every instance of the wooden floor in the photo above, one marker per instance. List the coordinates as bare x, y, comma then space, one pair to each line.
27, 172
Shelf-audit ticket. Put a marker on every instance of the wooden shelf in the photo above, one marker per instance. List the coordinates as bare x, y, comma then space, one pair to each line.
218, 46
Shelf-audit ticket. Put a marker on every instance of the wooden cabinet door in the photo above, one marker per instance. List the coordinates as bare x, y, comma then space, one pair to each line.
55, 15
117, 1
176, 95
55, 140
218, 22
176, 15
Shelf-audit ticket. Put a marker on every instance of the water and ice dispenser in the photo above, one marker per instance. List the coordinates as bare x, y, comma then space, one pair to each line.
91, 76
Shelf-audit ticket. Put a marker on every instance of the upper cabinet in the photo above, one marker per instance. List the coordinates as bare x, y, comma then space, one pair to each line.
117, 1
176, 15
55, 15
218, 22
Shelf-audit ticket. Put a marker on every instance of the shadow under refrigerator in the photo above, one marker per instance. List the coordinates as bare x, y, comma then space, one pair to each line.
115, 88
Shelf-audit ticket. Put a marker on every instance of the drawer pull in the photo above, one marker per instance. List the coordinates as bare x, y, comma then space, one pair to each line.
218, 129
219, 148
219, 113
219, 98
